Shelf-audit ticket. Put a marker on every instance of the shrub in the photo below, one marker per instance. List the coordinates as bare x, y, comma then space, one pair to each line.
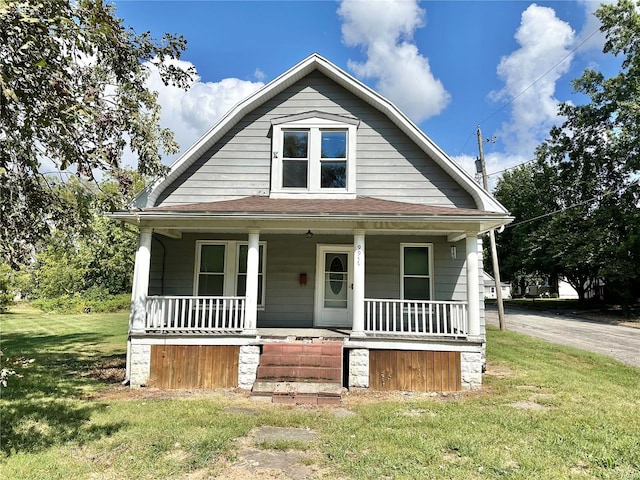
93, 300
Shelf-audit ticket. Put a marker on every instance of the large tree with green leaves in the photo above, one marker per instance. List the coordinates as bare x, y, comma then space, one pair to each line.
585, 183
73, 97
596, 154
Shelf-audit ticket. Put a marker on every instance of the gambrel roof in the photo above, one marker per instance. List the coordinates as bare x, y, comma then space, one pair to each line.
483, 200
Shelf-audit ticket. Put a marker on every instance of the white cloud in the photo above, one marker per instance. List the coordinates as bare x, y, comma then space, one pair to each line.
189, 114
259, 75
530, 74
587, 39
384, 29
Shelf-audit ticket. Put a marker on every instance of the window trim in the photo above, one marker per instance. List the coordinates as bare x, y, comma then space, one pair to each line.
314, 123
231, 262
429, 247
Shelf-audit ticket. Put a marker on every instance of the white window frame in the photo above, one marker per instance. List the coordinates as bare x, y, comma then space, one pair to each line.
429, 247
314, 123
231, 263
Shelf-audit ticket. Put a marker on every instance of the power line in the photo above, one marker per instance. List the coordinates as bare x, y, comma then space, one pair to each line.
541, 76
564, 209
531, 85
511, 168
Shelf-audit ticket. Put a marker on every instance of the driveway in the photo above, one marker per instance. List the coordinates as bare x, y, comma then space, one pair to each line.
617, 341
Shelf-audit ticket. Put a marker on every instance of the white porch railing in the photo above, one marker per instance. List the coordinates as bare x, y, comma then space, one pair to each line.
415, 317
187, 314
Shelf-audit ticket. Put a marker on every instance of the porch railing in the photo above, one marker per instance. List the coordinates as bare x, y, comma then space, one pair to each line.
186, 314
415, 317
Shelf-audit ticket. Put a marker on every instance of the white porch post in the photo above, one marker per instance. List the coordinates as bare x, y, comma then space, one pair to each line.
473, 285
357, 329
251, 303
140, 288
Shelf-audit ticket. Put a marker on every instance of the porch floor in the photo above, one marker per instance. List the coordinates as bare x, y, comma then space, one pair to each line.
297, 333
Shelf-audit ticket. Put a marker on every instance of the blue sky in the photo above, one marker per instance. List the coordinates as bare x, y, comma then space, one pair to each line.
450, 65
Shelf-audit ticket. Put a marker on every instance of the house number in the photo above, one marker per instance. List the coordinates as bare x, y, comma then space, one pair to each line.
359, 255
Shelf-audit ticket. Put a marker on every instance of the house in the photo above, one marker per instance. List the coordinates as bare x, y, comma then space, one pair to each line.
313, 233
490, 287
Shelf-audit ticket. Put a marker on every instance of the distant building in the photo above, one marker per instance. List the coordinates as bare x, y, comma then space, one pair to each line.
490, 287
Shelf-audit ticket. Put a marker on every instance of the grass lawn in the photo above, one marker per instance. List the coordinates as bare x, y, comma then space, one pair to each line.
546, 412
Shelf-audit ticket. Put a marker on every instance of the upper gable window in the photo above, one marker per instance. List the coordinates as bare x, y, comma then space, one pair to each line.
314, 154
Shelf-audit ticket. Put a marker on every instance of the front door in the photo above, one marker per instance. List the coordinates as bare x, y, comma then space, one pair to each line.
334, 282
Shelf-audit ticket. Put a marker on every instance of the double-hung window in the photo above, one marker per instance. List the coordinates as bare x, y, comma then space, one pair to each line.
416, 271
221, 269
314, 154
295, 159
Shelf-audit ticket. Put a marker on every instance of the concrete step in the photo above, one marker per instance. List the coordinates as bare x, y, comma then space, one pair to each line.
318, 393
300, 360
301, 374
302, 348
297, 361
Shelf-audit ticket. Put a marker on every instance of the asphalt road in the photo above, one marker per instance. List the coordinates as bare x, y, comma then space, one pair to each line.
617, 341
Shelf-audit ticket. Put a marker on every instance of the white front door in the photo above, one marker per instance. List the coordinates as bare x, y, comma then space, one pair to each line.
334, 286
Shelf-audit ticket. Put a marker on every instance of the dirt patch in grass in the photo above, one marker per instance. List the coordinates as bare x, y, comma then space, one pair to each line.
255, 460
528, 405
498, 371
108, 371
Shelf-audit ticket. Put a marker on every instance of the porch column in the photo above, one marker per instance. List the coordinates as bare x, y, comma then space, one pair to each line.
251, 302
357, 329
140, 288
473, 285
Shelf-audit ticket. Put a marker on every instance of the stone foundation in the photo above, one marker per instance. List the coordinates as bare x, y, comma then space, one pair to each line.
140, 365
359, 368
471, 370
248, 362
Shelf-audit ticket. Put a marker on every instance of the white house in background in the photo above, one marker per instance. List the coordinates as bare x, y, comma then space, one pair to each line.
565, 290
490, 287
314, 223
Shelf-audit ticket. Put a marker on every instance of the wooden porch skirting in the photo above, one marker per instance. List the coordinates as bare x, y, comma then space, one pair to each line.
216, 366
194, 366
416, 371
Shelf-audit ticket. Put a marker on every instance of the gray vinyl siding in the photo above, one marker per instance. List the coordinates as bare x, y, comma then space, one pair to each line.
389, 165
289, 304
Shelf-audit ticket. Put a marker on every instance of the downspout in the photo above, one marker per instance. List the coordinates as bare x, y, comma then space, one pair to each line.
127, 374
164, 258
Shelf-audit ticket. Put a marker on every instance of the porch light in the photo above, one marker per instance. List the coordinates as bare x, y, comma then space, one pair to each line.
309, 234
454, 252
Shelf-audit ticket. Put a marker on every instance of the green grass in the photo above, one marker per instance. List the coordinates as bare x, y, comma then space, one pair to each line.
62, 420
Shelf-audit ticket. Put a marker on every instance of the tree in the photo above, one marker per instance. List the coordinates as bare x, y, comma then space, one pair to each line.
98, 257
577, 208
596, 154
72, 97
524, 191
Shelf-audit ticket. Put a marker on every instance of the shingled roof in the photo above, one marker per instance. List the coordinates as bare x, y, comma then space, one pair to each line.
358, 206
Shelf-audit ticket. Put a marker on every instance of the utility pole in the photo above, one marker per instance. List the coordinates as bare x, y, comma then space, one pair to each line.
492, 239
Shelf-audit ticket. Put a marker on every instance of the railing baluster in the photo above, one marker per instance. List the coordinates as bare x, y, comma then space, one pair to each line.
227, 314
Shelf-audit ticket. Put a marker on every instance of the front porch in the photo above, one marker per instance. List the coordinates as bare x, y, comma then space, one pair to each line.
400, 294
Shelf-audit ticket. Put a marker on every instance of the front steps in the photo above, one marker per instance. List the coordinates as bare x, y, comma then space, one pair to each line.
301, 372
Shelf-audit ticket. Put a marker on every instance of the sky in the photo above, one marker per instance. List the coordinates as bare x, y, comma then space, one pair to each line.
450, 66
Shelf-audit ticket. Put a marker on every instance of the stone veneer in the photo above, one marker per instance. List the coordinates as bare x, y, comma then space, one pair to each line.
140, 366
248, 366
359, 368
471, 370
